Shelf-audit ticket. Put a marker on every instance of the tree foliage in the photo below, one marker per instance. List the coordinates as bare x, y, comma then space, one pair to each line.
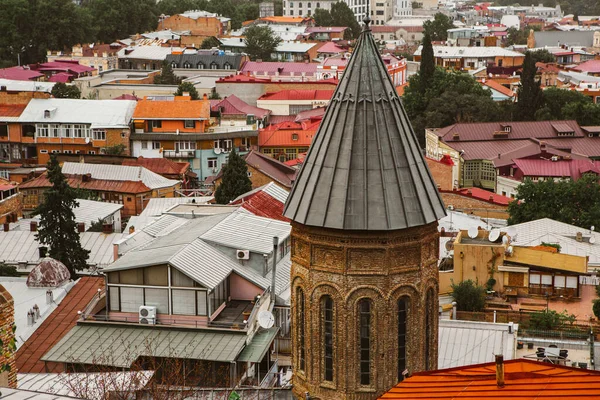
438, 27
235, 179
261, 42
166, 76
117, 19
543, 55
322, 17
573, 202
340, 15
8, 270
550, 319
427, 67
469, 296
210, 42
115, 150
516, 36
187, 87
63, 91
530, 92
58, 228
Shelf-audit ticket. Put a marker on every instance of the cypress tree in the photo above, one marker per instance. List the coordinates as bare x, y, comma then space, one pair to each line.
58, 228
530, 93
235, 179
427, 68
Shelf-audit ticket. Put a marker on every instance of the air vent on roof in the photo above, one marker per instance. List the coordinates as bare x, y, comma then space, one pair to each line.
243, 254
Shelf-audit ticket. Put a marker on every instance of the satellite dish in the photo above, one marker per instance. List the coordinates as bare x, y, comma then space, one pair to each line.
450, 244
509, 251
266, 319
473, 232
505, 239
494, 235
511, 231
592, 240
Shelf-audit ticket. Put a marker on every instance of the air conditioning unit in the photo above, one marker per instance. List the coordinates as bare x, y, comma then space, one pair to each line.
243, 254
147, 315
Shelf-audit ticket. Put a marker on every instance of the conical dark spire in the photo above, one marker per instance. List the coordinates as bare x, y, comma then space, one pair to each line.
364, 169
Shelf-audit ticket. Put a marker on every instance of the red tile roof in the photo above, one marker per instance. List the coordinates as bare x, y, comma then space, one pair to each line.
492, 84
272, 168
243, 79
283, 134
66, 66
75, 181
325, 29
524, 380
263, 205
384, 29
180, 108
560, 168
127, 97
313, 114
592, 66
484, 131
161, 166
19, 74
62, 77
331, 47
11, 110
56, 325
484, 195
233, 105
284, 68
302, 94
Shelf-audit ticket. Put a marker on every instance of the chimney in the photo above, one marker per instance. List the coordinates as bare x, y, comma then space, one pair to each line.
3, 88
107, 228
49, 296
42, 251
86, 178
578, 237
33, 226
131, 229
275, 248
80, 227
500, 370
6, 227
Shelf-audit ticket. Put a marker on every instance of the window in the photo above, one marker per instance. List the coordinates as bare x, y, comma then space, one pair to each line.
174, 65
123, 135
42, 130
187, 65
67, 131
3, 130
380, 12
99, 134
308, 5
429, 321
318, 5
246, 142
364, 340
55, 151
54, 131
155, 145
291, 12
214, 65
200, 65
226, 66
402, 318
78, 131
294, 136
144, 145
188, 123
156, 124
327, 305
212, 162
300, 5
28, 130
300, 323
185, 146
249, 174
91, 152
43, 151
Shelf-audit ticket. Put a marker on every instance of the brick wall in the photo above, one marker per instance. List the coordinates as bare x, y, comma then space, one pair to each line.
470, 205
12, 205
21, 97
7, 319
206, 26
442, 173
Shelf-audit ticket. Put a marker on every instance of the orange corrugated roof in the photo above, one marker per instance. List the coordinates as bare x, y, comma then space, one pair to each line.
524, 380
176, 109
281, 134
75, 181
280, 19
11, 110
161, 166
57, 325
498, 87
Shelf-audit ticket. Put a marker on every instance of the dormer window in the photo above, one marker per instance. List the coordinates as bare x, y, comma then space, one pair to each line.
200, 65
174, 65
187, 65
46, 113
294, 136
506, 128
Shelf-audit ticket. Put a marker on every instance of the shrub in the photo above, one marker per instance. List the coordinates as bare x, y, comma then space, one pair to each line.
469, 296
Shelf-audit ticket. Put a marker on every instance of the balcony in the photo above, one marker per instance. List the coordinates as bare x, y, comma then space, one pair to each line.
179, 154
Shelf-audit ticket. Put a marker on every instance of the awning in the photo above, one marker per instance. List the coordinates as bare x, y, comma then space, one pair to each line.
258, 347
513, 268
120, 346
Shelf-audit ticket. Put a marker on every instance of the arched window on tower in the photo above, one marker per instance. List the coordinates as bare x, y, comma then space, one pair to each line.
301, 333
429, 306
327, 307
403, 304
364, 338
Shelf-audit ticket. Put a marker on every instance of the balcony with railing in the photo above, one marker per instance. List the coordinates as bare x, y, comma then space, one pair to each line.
179, 153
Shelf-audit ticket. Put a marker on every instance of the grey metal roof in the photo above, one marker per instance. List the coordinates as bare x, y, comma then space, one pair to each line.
271, 189
119, 173
157, 206
573, 38
364, 169
206, 60
120, 346
258, 347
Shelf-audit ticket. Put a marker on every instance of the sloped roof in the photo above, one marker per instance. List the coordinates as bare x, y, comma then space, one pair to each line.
560, 168
57, 325
265, 201
11, 112
283, 68
233, 105
49, 273
295, 94
19, 74
485, 195
282, 134
271, 167
206, 60
330, 47
182, 107
492, 84
524, 380
76, 181
119, 173
484, 131
365, 170
161, 166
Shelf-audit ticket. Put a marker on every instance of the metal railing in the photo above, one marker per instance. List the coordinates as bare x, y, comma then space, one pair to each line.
167, 321
179, 154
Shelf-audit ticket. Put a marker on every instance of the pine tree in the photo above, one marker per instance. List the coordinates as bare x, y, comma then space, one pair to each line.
530, 93
166, 76
235, 179
427, 68
58, 228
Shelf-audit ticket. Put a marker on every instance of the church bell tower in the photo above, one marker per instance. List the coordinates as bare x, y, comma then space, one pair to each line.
364, 213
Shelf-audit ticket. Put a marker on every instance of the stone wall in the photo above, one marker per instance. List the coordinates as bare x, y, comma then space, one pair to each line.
441, 173
7, 319
350, 266
472, 205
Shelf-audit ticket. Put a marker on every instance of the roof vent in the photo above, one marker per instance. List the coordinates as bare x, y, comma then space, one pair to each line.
86, 178
579, 236
33, 226
80, 227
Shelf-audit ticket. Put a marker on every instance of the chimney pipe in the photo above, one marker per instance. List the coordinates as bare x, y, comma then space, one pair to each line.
500, 370
275, 246
33, 226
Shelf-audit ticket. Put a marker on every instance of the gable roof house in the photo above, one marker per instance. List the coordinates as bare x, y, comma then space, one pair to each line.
206, 59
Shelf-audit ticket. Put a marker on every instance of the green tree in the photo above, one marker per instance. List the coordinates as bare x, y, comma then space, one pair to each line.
586, 114
115, 150
550, 319
63, 91
572, 202
187, 87
530, 92
438, 28
210, 42
469, 296
561, 104
235, 179
427, 67
261, 42
8, 270
343, 16
58, 228
166, 76
543, 55
596, 308
322, 17
516, 36
15, 25
116, 19
244, 12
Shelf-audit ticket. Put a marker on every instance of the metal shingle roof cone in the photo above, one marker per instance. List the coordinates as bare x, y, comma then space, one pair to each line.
364, 169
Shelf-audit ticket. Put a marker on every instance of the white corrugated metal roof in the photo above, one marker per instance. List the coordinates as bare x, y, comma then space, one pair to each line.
98, 113
271, 189
248, 232
157, 53
89, 211
156, 207
464, 343
470, 52
27, 86
119, 173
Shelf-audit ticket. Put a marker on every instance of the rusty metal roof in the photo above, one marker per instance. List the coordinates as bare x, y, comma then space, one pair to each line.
76, 181
365, 170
